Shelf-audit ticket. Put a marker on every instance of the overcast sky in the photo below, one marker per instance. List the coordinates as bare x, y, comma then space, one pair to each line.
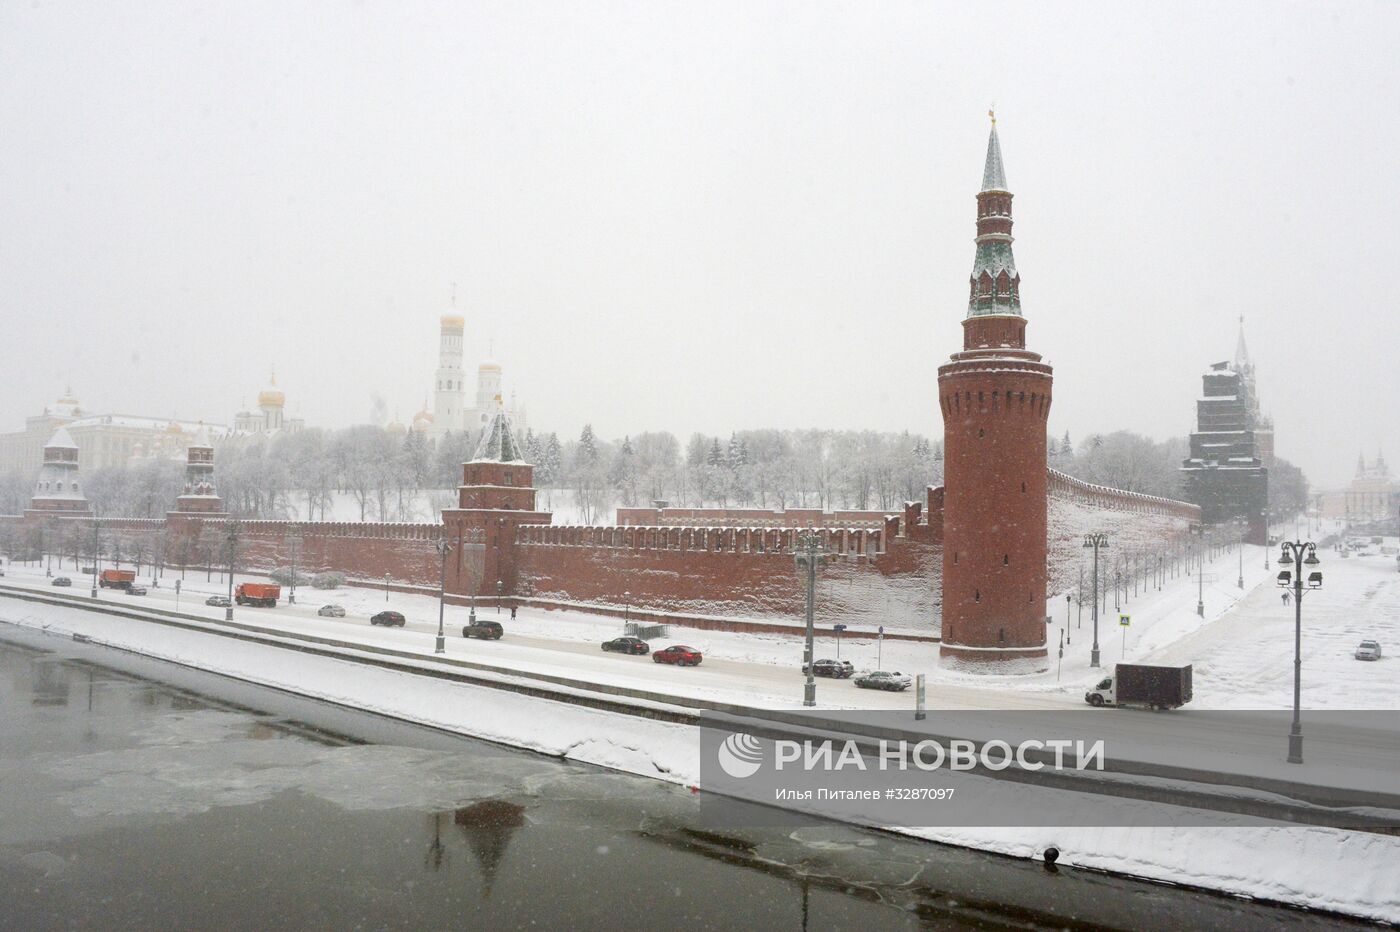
699, 217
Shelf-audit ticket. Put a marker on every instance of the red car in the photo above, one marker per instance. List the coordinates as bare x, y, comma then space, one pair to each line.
680, 655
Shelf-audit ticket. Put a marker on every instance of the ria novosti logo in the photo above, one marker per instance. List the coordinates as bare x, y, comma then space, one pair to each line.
740, 755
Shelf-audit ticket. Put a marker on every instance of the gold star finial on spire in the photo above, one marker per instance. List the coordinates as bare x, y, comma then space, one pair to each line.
992, 112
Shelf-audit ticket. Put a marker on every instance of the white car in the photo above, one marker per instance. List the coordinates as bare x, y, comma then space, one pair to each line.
1368, 650
879, 679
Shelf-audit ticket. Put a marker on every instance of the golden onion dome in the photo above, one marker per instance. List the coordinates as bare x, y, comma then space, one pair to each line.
490, 365
271, 397
174, 428
453, 322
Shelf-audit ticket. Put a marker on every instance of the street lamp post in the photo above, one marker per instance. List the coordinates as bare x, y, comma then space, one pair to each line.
1241, 581
444, 547
231, 537
1079, 619
626, 610
1199, 532
294, 539
386, 588
1096, 541
95, 546
810, 556
1300, 553
500, 587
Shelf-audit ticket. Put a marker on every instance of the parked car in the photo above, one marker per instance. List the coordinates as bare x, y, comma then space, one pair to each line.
880, 679
1368, 650
486, 630
331, 611
680, 655
218, 601
388, 618
836, 669
135, 590
61, 581
627, 646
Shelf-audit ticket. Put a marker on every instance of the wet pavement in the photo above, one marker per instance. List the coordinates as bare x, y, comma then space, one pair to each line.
140, 794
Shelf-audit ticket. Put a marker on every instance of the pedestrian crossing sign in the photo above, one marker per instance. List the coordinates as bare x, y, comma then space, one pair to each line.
1124, 620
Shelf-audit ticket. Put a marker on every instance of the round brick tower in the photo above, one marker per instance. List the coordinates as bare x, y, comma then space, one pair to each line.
995, 397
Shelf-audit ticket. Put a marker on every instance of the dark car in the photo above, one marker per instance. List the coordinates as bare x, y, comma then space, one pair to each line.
896, 682
135, 590
388, 618
627, 646
218, 601
680, 655
61, 581
836, 669
331, 611
486, 630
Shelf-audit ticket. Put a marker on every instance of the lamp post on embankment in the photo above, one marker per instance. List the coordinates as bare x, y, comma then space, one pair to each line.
1096, 541
231, 541
1300, 553
443, 546
810, 555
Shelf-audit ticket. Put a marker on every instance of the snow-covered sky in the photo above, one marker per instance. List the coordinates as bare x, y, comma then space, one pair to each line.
699, 216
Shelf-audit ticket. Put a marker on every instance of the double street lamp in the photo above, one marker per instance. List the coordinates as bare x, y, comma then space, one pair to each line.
444, 547
294, 544
1299, 553
96, 545
231, 539
1097, 541
810, 556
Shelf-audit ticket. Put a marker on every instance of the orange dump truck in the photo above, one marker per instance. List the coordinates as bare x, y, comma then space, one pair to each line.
262, 595
116, 579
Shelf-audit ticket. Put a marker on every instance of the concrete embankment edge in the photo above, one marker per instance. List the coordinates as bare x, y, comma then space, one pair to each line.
664, 732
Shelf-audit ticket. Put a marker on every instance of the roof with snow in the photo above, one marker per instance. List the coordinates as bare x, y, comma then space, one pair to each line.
1241, 351
61, 440
994, 173
497, 443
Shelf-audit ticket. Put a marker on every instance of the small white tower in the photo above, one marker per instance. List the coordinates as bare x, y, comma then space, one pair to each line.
449, 391
488, 390
57, 490
271, 402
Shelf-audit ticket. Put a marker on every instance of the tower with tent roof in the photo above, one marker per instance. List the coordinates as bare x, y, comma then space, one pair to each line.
995, 400
497, 496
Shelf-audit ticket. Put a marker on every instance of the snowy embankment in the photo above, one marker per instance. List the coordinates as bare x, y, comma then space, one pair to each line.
1305, 866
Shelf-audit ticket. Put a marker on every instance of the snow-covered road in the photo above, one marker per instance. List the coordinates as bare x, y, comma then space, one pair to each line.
1241, 648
